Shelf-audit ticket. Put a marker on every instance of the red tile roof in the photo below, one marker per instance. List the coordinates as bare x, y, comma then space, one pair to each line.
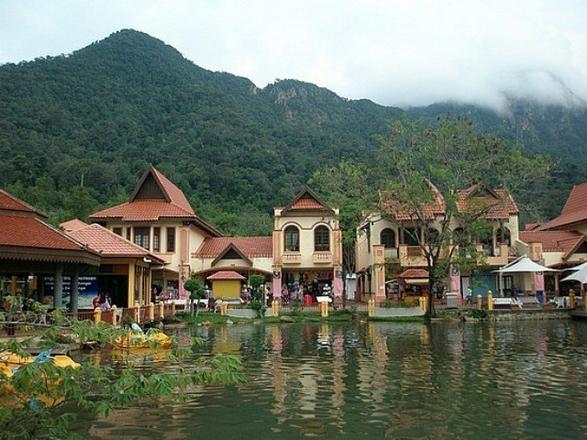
553, 241
307, 200
226, 275
108, 244
532, 226
250, 246
10, 203
574, 211
175, 205
498, 203
72, 225
142, 210
414, 273
307, 203
32, 232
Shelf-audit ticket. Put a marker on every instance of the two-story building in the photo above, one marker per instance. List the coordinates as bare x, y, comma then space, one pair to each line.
388, 250
307, 247
304, 251
159, 218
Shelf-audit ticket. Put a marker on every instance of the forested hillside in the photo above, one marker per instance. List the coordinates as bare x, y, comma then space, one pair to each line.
77, 131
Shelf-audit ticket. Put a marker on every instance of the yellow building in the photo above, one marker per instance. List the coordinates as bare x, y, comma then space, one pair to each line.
226, 284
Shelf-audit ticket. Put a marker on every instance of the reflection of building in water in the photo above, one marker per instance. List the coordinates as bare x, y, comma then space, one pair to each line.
224, 341
338, 376
278, 372
372, 376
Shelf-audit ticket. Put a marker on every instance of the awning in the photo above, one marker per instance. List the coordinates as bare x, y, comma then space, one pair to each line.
524, 264
580, 275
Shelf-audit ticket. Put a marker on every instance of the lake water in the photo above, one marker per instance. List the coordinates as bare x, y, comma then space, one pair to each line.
522, 380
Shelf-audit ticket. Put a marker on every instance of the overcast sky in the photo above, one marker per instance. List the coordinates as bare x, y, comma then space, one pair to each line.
410, 52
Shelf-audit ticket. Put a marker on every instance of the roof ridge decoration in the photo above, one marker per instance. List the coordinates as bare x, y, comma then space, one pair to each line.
307, 190
170, 191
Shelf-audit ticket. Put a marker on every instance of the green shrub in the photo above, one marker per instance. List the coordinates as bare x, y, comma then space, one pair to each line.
258, 307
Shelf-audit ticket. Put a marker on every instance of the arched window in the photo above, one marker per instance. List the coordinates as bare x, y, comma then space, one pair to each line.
388, 238
292, 239
321, 238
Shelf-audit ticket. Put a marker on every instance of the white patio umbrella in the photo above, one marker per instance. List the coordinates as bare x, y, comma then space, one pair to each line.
580, 275
521, 265
578, 267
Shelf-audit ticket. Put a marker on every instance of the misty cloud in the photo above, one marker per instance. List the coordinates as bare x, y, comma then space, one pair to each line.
393, 52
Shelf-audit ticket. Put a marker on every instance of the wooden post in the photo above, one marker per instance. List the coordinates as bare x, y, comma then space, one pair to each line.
479, 302
58, 287
490, 301
571, 299
137, 313
74, 290
151, 312
161, 310
114, 317
97, 315
371, 307
172, 308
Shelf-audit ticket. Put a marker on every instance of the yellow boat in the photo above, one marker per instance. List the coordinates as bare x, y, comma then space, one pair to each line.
12, 360
140, 340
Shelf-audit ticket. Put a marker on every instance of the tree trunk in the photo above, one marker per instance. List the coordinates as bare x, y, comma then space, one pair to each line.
197, 307
430, 312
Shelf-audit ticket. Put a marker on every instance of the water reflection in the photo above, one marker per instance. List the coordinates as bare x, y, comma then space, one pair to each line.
378, 380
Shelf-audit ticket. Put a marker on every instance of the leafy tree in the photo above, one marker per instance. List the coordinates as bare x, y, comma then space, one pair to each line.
256, 281
424, 169
197, 291
41, 400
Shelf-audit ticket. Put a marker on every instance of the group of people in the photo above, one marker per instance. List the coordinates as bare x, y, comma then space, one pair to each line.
306, 292
103, 301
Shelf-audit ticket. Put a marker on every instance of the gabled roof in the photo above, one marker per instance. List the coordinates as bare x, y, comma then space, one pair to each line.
108, 244
171, 193
226, 275
250, 247
8, 202
498, 203
72, 225
554, 241
307, 200
231, 247
574, 211
167, 201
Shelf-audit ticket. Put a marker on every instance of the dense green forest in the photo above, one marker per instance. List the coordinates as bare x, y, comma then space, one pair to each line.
77, 131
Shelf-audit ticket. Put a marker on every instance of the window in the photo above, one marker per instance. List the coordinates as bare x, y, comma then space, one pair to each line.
503, 236
128, 230
292, 239
321, 239
170, 239
156, 239
142, 237
411, 236
388, 238
117, 231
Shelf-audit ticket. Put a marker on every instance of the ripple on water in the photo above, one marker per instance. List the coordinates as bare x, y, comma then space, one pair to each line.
383, 380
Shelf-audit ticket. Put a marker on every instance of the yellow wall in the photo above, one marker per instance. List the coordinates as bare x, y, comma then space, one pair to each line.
226, 289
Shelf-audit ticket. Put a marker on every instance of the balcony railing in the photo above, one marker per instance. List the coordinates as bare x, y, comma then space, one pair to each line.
291, 258
322, 257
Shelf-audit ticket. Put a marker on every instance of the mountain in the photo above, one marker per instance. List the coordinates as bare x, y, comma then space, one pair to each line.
77, 130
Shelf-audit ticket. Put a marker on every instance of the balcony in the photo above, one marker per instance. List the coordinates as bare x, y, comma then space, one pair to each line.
291, 258
324, 257
494, 256
411, 256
